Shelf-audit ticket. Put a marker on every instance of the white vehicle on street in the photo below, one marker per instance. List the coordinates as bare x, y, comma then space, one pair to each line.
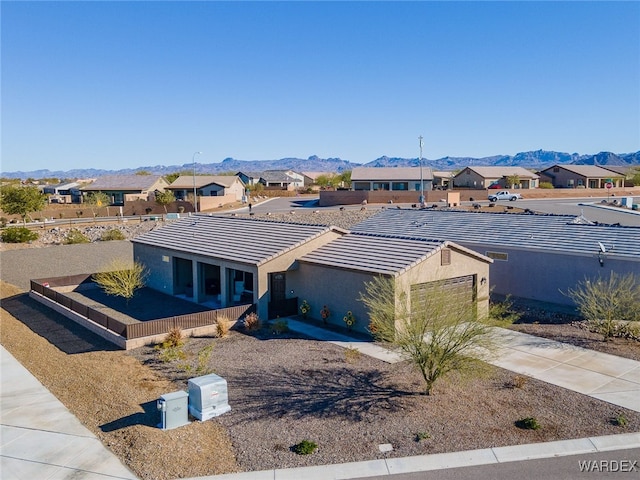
504, 195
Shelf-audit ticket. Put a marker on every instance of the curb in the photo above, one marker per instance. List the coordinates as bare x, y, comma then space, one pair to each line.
440, 461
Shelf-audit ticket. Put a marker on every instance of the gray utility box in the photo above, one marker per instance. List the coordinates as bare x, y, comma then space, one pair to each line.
208, 397
173, 409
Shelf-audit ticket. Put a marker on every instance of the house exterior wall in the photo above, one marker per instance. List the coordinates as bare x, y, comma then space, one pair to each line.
317, 285
562, 178
406, 185
543, 275
470, 179
286, 263
160, 262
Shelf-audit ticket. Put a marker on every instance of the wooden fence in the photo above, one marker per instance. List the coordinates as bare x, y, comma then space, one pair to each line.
135, 330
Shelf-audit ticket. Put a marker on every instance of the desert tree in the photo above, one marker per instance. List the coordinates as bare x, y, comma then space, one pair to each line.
97, 199
121, 278
605, 302
17, 200
440, 333
512, 180
165, 198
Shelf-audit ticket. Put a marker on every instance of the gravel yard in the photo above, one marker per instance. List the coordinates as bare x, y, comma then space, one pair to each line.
283, 389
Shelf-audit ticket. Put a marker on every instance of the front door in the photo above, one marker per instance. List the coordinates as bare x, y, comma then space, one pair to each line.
280, 306
278, 287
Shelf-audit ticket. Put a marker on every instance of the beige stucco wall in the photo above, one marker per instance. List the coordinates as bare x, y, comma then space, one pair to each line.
470, 179
340, 289
287, 263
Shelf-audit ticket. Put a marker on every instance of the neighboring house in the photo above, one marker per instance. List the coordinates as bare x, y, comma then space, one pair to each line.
125, 188
535, 257
282, 179
310, 178
63, 193
580, 176
442, 180
486, 177
228, 186
627, 171
391, 178
226, 261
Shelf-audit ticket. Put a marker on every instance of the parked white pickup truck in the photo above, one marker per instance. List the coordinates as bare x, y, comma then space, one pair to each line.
504, 195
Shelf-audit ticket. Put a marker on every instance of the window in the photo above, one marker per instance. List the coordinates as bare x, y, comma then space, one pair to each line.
556, 169
381, 185
400, 186
498, 256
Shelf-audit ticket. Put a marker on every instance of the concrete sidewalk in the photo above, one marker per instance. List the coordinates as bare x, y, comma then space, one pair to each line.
41, 439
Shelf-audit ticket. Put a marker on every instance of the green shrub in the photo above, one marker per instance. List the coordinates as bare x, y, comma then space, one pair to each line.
620, 421
18, 235
113, 234
546, 185
3, 222
171, 347
76, 236
305, 447
528, 423
202, 367
422, 436
280, 326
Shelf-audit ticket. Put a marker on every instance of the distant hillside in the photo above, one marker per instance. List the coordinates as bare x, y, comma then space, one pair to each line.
538, 159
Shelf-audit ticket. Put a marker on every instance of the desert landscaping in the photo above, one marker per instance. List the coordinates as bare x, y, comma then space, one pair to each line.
285, 388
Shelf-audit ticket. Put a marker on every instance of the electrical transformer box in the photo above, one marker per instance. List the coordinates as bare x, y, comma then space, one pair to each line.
208, 397
173, 410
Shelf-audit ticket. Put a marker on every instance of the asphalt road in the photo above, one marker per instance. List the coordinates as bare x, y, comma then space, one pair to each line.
556, 468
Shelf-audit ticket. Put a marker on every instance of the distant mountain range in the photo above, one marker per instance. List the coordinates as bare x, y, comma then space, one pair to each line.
538, 160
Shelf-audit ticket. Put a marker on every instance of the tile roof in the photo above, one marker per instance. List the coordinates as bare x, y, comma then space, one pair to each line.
560, 233
124, 182
591, 171
390, 173
376, 253
228, 238
186, 181
499, 172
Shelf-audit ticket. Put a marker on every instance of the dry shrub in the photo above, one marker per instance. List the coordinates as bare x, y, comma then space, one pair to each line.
223, 325
252, 321
352, 354
174, 338
519, 381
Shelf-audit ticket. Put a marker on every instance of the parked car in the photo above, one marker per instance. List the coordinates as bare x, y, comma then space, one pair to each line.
495, 186
504, 195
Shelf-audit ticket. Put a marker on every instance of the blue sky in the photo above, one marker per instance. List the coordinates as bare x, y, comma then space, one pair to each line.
130, 84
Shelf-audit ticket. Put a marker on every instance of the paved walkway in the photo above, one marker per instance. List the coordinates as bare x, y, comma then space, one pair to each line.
40, 438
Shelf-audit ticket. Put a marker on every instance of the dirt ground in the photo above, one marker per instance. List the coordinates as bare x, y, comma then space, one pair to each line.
284, 389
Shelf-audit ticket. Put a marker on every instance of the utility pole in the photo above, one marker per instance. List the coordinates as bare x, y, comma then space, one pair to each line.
421, 178
195, 195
